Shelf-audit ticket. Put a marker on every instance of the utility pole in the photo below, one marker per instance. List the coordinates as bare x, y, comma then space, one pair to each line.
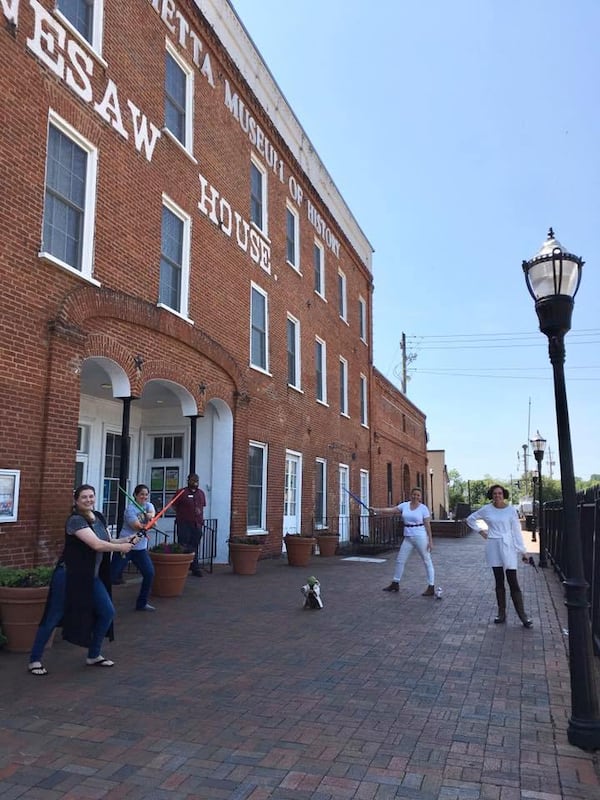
550, 461
404, 362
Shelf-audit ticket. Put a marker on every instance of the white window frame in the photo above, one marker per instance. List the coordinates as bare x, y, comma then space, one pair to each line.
323, 365
95, 43
318, 247
362, 318
256, 288
89, 212
263, 511
321, 463
343, 296
264, 226
188, 144
344, 387
364, 396
296, 354
290, 211
171, 206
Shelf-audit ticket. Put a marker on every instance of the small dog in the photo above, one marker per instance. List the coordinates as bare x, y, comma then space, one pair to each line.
312, 593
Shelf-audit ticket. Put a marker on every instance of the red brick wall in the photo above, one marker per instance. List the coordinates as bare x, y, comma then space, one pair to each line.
52, 319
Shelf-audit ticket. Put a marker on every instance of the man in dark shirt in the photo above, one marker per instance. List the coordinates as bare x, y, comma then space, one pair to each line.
189, 513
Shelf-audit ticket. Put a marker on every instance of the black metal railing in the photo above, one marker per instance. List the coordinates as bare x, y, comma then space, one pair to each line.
556, 540
362, 533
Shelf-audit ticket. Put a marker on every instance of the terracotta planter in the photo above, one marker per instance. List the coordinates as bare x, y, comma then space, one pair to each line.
20, 613
244, 557
328, 545
299, 550
171, 571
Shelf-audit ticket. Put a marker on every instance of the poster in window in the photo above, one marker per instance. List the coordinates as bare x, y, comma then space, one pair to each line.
9, 494
157, 479
172, 479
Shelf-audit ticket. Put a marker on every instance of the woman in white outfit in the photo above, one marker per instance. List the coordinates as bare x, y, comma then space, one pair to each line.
417, 536
504, 541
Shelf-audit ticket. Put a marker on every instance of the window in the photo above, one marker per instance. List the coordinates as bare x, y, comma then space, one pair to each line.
257, 486
321, 369
69, 202
85, 16
292, 238
259, 351
112, 469
179, 93
319, 265
343, 386
258, 196
167, 447
342, 303
362, 319
174, 258
293, 352
320, 493
81, 458
390, 484
364, 419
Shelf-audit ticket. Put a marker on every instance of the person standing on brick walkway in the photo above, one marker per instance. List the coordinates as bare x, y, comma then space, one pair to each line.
417, 536
89, 610
137, 518
504, 541
189, 514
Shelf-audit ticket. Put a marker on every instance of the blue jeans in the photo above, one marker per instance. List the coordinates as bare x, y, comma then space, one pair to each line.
54, 614
143, 562
104, 612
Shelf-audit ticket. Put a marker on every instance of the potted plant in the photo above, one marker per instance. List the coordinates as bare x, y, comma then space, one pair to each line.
299, 549
23, 593
244, 552
171, 567
328, 543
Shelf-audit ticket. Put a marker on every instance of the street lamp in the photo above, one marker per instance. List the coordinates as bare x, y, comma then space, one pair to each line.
431, 484
538, 445
553, 277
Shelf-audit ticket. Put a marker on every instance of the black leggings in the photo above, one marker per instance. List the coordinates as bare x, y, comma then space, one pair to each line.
511, 577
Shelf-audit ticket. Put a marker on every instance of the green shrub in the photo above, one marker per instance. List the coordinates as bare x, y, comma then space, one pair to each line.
26, 577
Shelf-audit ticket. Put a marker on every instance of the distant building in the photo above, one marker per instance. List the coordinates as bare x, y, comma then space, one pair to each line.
438, 484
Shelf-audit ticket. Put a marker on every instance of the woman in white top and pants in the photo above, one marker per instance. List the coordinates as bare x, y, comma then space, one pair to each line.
504, 541
417, 536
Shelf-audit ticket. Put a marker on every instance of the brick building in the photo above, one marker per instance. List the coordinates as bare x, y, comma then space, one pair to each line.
184, 288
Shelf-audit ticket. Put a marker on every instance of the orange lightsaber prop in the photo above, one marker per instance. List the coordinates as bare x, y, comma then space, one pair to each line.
168, 506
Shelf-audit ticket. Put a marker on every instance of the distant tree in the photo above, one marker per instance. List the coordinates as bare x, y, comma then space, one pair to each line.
456, 489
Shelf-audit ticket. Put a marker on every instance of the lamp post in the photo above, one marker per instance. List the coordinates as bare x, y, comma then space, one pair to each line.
431, 484
553, 277
538, 445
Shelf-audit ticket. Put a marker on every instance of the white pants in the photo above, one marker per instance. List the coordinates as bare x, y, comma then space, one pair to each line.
419, 542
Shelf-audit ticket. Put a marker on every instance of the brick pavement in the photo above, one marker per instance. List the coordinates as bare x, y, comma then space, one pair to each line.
234, 692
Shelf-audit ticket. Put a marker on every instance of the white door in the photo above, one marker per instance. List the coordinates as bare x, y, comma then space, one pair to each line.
364, 496
344, 513
292, 493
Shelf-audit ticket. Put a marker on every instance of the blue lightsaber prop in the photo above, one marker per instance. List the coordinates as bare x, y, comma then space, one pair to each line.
357, 499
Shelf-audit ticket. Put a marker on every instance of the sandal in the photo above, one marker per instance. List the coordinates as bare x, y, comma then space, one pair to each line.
99, 662
37, 668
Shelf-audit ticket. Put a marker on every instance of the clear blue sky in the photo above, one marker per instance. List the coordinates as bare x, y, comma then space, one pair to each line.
458, 132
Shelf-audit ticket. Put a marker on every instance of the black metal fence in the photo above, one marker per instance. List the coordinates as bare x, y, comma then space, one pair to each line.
362, 533
207, 549
555, 542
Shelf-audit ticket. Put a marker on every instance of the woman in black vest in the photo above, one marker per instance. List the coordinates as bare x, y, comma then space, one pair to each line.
89, 610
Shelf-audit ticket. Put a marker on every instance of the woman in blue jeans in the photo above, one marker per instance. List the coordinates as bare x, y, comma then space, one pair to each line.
89, 611
136, 519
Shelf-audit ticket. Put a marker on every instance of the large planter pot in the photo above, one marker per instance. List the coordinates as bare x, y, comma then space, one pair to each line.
328, 544
20, 613
244, 558
170, 573
299, 550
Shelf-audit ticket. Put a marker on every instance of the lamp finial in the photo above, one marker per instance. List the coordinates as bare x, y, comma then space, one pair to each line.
550, 233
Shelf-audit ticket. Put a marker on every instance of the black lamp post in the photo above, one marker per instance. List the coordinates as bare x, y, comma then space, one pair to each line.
553, 277
431, 484
538, 445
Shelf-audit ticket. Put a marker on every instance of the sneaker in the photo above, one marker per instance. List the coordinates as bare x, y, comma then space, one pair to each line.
147, 607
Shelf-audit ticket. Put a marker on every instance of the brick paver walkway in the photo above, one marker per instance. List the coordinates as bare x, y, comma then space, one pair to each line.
234, 691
